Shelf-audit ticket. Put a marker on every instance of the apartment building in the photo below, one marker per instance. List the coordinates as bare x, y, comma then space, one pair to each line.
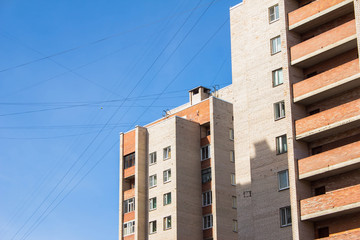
177, 174
296, 118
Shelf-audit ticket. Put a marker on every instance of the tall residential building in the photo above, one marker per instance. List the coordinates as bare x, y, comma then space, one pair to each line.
296, 76
177, 174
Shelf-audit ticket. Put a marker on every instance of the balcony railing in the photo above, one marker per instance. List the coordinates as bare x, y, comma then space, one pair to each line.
329, 163
318, 13
332, 204
129, 193
331, 121
129, 172
324, 46
329, 83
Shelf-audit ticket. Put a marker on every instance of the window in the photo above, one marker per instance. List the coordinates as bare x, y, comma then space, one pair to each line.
232, 156
275, 45
167, 198
205, 152
277, 77
167, 153
274, 13
206, 198
208, 132
233, 181
283, 177
235, 225
279, 110
152, 158
167, 222
152, 203
206, 175
152, 227
285, 216
129, 160
234, 202
129, 228
152, 181
207, 221
231, 134
129, 205
167, 175
281, 144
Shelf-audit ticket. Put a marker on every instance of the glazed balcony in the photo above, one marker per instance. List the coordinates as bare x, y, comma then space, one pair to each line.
329, 163
329, 83
332, 204
318, 13
331, 121
324, 46
128, 172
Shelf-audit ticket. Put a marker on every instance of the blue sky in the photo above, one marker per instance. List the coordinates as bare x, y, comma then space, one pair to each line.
73, 75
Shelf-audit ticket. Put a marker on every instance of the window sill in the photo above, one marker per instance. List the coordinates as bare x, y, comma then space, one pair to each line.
207, 205
273, 21
272, 54
205, 159
277, 119
167, 181
152, 187
283, 189
281, 153
152, 233
150, 164
166, 158
288, 225
150, 210
167, 229
207, 228
278, 85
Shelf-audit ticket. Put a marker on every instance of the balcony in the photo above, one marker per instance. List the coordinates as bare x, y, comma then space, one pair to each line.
329, 163
329, 83
332, 204
128, 172
318, 13
332, 121
324, 46
129, 193
350, 234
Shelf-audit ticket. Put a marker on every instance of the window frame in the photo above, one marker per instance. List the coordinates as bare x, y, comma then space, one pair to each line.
166, 227
206, 198
278, 47
166, 198
152, 202
287, 214
151, 227
232, 156
284, 148
210, 216
276, 14
154, 181
277, 106
131, 227
287, 178
129, 160
234, 202
166, 153
231, 134
235, 225
168, 175
207, 152
233, 179
208, 172
129, 206
152, 156
275, 76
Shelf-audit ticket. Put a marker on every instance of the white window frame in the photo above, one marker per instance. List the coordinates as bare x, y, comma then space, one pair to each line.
167, 176
281, 144
207, 221
277, 77
275, 14
279, 110
208, 173
275, 45
286, 185
152, 158
166, 226
152, 204
231, 134
129, 228
234, 202
151, 227
206, 198
233, 179
167, 153
205, 152
166, 198
232, 156
152, 181
285, 216
129, 205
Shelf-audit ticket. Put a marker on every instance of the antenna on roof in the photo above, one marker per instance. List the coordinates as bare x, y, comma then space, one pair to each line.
215, 89
166, 112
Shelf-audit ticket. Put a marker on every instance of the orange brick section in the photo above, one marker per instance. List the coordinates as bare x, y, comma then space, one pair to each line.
329, 158
330, 200
328, 117
129, 142
129, 193
131, 237
310, 10
129, 172
129, 216
206, 164
344, 227
206, 186
205, 141
348, 235
326, 78
208, 233
207, 210
199, 113
327, 38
